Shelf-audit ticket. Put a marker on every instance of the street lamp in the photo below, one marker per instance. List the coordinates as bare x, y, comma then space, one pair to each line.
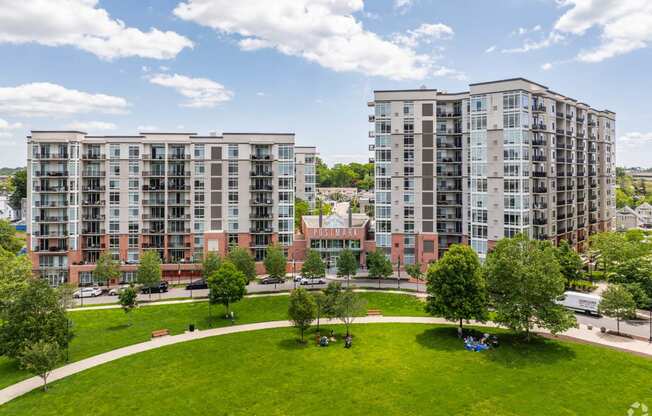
294, 271
398, 269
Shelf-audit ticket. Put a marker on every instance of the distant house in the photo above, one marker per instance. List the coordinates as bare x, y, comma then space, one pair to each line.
645, 212
6, 211
627, 219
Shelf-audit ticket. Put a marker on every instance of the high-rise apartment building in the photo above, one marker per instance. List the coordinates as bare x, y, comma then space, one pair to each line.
180, 194
505, 157
305, 164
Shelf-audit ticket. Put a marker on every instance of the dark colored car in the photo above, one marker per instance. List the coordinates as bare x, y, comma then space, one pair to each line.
160, 288
197, 284
270, 280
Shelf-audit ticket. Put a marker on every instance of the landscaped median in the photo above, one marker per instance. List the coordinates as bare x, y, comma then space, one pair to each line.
98, 331
402, 369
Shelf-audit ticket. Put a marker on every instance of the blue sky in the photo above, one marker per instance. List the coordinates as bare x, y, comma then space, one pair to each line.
306, 66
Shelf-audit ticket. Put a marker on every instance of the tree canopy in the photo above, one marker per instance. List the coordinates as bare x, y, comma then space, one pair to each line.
351, 175
456, 286
275, 261
15, 272
149, 270
313, 266
570, 262
18, 185
378, 265
301, 309
106, 268
8, 239
524, 281
243, 261
211, 264
347, 264
227, 285
617, 302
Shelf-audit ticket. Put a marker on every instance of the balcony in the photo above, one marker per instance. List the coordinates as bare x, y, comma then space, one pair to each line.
88, 217
150, 202
539, 142
173, 230
185, 202
153, 157
53, 249
153, 231
539, 221
51, 234
538, 158
261, 174
539, 174
263, 158
540, 206
155, 188
444, 114
94, 203
261, 230
540, 190
155, 173
256, 216
52, 189
449, 160
100, 188
261, 202
539, 127
51, 204
538, 108
179, 156
372, 118
53, 218
94, 231
179, 188
93, 156
261, 188
179, 217
179, 174
52, 174
51, 156
94, 173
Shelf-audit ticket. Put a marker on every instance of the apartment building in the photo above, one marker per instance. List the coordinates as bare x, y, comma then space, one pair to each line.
180, 194
305, 165
505, 157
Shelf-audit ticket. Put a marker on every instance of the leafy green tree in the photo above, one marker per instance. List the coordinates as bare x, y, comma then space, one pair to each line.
313, 267
275, 262
617, 303
378, 265
524, 281
414, 271
65, 292
149, 270
349, 306
456, 287
227, 285
320, 303
128, 298
106, 268
36, 314
331, 296
347, 264
211, 264
611, 249
15, 272
243, 261
570, 262
639, 295
301, 208
18, 184
8, 239
40, 358
635, 271
301, 310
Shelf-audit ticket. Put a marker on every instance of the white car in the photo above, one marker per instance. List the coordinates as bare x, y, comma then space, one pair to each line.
116, 290
307, 281
87, 292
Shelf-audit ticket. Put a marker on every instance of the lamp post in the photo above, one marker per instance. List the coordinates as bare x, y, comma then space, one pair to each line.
294, 271
398, 269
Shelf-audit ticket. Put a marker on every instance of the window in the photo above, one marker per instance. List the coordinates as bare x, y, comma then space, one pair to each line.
232, 151
233, 197
233, 183
286, 152
200, 151
133, 184
199, 168
133, 168
114, 151
114, 168
478, 103
114, 227
408, 108
134, 151
114, 184
479, 122
114, 198
233, 168
383, 109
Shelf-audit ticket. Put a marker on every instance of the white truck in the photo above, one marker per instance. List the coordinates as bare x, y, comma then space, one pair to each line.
581, 302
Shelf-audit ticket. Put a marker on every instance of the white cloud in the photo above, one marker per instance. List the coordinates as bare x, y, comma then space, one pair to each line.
201, 92
47, 99
260, 94
547, 66
625, 25
426, 33
91, 125
81, 23
633, 149
490, 49
529, 45
524, 30
5, 125
403, 5
147, 128
321, 31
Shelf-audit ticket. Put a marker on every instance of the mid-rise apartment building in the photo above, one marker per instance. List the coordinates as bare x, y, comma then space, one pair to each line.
305, 164
505, 157
180, 194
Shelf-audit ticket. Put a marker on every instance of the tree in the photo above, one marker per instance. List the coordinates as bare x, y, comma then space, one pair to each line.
18, 183
128, 299
617, 303
243, 261
301, 309
639, 294
65, 293
635, 271
275, 262
349, 306
524, 281
36, 314
40, 358
331, 296
301, 208
378, 265
8, 239
15, 272
347, 265
106, 268
414, 271
211, 264
320, 303
313, 267
570, 262
456, 286
227, 285
149, 270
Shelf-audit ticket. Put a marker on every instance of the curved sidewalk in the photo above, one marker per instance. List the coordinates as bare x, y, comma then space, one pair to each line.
25, 386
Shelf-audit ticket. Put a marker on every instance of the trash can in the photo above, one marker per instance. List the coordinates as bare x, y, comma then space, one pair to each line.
191, 327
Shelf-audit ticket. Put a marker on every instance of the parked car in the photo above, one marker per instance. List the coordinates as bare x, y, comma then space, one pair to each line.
308, 281
270, 280
197, 284
115, 291
297, 279
87, 292
162, 287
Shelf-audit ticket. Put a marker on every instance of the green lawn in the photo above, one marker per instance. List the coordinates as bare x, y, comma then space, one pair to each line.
401, 369
98, 331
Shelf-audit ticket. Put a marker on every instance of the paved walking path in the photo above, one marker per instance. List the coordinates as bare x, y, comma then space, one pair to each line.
25, 386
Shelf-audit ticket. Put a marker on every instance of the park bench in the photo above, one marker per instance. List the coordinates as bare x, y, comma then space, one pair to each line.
374, 312
160, 333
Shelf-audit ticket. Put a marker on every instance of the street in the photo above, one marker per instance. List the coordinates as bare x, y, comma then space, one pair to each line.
640, 327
